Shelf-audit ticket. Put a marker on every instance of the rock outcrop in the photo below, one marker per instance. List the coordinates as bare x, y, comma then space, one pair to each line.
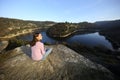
3, 45
62, 64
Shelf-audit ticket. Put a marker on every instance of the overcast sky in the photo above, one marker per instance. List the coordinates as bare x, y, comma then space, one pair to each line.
61, 10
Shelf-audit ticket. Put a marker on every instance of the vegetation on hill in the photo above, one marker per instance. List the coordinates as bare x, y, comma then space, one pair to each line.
63, 30
108, 24
110, 29
12, 27
43, 24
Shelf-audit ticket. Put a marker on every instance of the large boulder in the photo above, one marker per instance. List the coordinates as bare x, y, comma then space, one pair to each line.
3, 45
62, 64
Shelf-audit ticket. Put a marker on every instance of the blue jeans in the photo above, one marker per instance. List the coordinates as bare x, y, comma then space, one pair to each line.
48, 51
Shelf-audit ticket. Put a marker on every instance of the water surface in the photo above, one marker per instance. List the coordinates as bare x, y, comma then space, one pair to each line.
89, 40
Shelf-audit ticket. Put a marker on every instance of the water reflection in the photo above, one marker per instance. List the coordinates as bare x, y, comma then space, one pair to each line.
45, 39
90, 40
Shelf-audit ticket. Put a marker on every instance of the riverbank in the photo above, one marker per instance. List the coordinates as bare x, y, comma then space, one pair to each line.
18, 33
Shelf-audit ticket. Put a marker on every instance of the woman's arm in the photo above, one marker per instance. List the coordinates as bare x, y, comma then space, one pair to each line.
42, 48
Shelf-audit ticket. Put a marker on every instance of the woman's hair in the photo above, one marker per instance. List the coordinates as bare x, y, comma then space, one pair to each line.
33, 42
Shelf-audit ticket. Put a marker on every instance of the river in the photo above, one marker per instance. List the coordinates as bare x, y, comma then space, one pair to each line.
89, 40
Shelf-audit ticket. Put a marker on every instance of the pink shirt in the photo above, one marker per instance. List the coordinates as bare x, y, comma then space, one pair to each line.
38, 51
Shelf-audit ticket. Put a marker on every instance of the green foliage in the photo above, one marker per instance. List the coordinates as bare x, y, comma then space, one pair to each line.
61, 29
8, 26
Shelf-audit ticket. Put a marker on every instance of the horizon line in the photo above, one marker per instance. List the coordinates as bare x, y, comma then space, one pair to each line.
58, 21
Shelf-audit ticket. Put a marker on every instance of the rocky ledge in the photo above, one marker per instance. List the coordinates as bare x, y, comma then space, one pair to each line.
62, 64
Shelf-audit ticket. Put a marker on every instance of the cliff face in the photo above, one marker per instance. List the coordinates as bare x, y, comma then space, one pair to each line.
62, 64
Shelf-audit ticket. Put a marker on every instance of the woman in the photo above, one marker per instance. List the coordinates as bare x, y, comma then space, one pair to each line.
37, 48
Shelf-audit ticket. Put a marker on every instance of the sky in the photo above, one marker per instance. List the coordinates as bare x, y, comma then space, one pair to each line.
61, 10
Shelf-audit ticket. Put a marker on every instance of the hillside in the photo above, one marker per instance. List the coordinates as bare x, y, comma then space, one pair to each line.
15, 27
110, 29
43, 24
108, 24
64, 30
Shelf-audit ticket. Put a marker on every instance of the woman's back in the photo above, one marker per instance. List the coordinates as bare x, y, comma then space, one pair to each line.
37, 51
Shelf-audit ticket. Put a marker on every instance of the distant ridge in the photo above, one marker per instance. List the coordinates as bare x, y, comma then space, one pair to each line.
108, 23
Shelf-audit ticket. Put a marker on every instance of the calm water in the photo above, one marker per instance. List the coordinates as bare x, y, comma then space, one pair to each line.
90, 40
45, 39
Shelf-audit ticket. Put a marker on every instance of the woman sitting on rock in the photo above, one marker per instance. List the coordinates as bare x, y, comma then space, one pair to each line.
37, 48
